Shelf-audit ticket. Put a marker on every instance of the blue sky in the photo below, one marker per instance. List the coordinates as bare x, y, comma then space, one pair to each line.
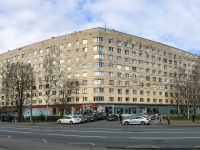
171, 22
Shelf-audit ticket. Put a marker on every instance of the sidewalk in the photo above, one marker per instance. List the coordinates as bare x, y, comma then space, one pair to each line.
177, 123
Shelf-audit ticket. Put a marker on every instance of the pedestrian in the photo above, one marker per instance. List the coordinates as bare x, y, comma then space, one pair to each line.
22, 118
168, 119
160, 118
3, 118
120, 118
193, 117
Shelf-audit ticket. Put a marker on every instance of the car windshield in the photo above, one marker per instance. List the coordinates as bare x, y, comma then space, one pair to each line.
75, 116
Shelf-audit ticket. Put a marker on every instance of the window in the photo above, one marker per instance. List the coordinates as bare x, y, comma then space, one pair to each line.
111, 99
119, 51
147, 49
84, 74
111, 82
140, 54
127, 68
98, 90
68, 52
133, 61
119, 43
126, 60
85, 66
84, 91
110, 49
119, 67
133, 53
127, 99
61, 54
84, 41
126, 44
69, 67
111, 57
98, 47
98, 98
84, 82
119, 91
110, 65
98, 73
61, 61
85, 49
126, 83
119, 58
111, 90
133, 45
126, 52
140, 47
41, 51
110, 41
69, 44
29, 54
61, 46
84, 99
98, 39
119, 83
69, 60
141, 99
119, 99
119, 74
111, 74
35, 52
98, 81
98, 65
134, 99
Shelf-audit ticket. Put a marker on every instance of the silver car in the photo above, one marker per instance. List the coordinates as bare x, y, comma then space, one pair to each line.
69, 119
136, 120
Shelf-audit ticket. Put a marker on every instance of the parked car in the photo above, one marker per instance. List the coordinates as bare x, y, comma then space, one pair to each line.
91, 117
84, 119
112, 118
101, 115
136, 120
69, 119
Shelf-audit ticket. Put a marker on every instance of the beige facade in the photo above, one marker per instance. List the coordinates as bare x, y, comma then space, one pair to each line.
113, 67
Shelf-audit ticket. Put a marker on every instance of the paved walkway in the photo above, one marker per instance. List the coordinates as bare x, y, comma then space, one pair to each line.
178, 123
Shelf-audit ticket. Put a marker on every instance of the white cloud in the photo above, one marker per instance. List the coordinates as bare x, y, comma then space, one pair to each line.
175, 23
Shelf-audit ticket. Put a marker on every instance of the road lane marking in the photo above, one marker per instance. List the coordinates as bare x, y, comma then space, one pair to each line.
16, 131
143, 146
163, 138
78, 136
82, 143
123, 132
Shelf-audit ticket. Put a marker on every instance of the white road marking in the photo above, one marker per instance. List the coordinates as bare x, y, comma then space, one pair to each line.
163, 138
16, 131
79, 136
123, 132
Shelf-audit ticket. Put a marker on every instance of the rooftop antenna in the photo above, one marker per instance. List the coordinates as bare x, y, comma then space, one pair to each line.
105, 25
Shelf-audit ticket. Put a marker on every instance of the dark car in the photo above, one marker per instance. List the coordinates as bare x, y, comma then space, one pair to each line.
84, 119
91, 117
101, 115
112, 118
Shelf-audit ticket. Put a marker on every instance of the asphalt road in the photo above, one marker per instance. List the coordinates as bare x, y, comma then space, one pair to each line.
96, 135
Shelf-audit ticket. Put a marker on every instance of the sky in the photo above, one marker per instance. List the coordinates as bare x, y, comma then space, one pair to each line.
172, 22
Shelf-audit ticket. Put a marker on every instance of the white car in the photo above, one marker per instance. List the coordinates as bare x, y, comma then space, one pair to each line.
136, 120
69, 119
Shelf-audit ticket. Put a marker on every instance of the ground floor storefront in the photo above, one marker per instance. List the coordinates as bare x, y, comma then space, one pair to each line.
125, 109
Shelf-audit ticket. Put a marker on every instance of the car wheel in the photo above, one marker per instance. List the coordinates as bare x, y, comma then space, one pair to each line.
126, 123
59, 122
71, 122
142, 123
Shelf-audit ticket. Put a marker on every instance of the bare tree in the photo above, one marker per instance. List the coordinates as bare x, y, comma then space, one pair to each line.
17, 80
51, 69
67, 91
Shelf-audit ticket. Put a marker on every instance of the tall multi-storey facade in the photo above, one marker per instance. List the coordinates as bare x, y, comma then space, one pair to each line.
117, 72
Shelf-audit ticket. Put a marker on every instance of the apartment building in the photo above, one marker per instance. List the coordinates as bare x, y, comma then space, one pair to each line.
118, 72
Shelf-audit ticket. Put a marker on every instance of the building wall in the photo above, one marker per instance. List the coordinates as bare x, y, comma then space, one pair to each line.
126, 61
